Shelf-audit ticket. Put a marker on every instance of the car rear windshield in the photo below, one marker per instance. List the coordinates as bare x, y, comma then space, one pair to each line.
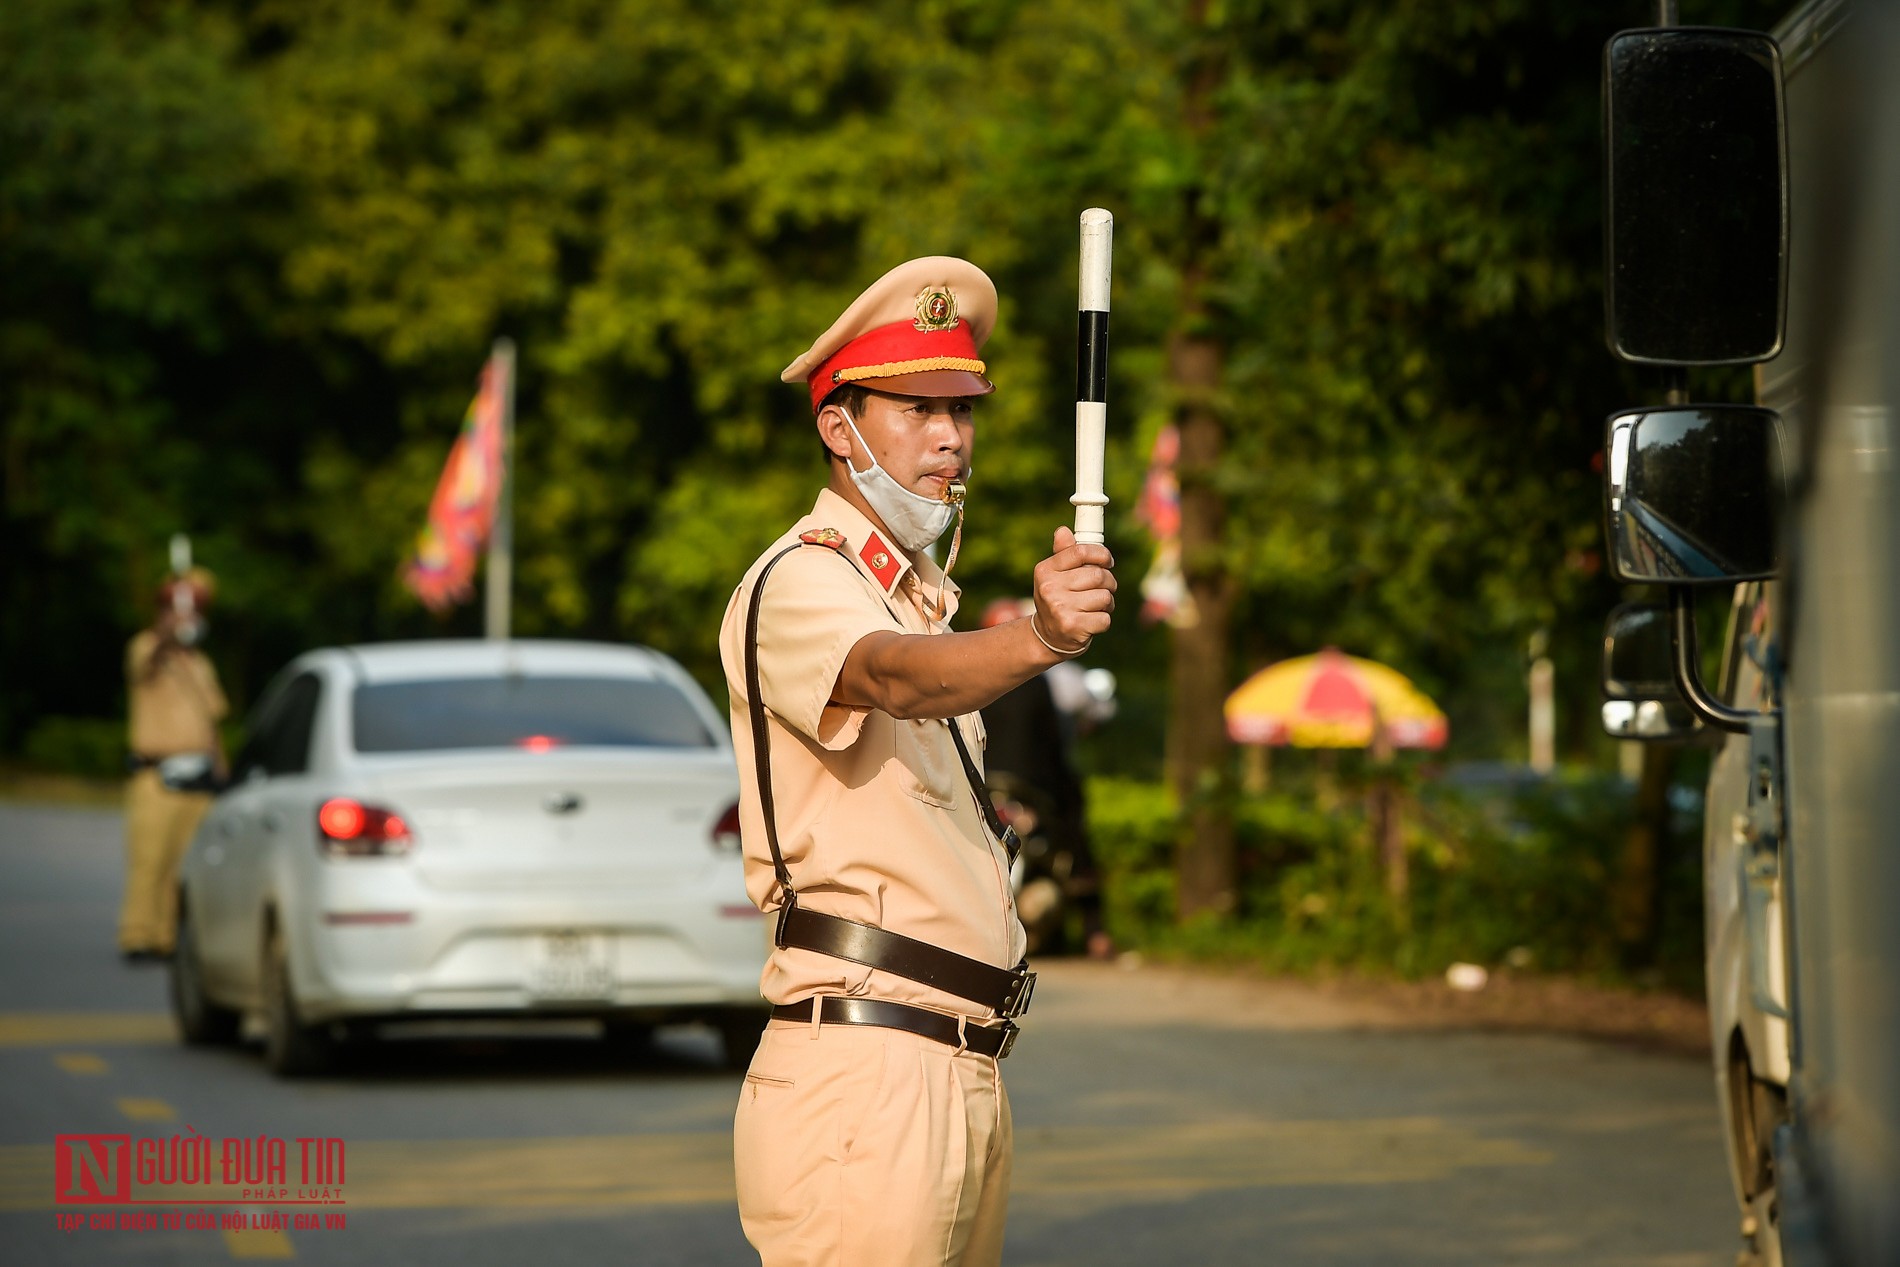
525, 712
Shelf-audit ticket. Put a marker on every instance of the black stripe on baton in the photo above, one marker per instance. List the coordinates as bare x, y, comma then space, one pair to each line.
1091, 356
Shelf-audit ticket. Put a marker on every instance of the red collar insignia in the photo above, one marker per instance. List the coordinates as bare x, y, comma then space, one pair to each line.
882, 561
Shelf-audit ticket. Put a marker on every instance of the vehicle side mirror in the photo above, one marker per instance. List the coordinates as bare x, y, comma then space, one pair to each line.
191, 772
1640, 700
1696, 196
1692, 495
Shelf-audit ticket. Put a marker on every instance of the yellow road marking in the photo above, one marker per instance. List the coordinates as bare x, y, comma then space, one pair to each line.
1129, 1161
612, 1170
57, 1029
1203, 1156
80, 1062
258, 1243
147, 1110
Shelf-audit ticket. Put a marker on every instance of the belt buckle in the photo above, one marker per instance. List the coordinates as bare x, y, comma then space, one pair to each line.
1017, 1002
1010, 1030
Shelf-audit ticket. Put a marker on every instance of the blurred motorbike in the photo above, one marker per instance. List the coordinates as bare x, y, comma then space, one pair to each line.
1038, 792
1043, 878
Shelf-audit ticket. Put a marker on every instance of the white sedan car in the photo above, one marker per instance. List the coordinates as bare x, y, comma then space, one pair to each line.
471, 829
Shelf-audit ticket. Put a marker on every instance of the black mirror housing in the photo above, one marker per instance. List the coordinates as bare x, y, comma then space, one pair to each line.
1696, 196
1692, 494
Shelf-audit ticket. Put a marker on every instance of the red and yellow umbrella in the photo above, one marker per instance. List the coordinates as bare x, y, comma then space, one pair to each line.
1332, 700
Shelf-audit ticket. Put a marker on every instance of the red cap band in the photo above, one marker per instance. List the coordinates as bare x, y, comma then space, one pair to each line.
893, 350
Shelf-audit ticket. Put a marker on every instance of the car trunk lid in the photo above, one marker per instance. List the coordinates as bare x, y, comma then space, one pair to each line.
553, 820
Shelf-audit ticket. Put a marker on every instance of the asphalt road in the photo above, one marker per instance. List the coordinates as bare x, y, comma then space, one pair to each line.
1161, 1116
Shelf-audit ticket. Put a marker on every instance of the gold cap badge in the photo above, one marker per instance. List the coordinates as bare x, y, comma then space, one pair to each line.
936, 309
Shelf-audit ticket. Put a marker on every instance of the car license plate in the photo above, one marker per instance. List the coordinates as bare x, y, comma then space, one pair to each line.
569, 965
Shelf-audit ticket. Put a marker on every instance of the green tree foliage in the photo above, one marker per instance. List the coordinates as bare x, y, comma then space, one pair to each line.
255, 250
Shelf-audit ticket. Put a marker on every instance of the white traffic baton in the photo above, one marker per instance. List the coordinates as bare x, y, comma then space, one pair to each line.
1091, 375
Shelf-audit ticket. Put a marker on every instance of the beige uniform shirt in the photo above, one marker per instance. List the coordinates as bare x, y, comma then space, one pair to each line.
876, 818
175, 703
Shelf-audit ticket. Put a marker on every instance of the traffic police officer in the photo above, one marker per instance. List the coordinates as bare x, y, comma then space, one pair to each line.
873, 1127
174, 706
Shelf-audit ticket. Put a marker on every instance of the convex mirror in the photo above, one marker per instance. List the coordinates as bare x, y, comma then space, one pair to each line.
1639, 690
1654, 720
1692, 494
1696, 193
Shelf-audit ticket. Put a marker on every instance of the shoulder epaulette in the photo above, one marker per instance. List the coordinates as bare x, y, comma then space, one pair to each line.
830, 537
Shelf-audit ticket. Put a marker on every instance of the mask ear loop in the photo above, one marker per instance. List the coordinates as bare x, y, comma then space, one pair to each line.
851, 422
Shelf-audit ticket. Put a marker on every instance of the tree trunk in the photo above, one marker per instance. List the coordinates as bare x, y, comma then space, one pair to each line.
1639, 872
1198, 756
1197, 730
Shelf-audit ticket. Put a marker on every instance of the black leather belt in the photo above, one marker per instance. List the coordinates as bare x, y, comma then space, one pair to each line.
985, 1040
1006, 990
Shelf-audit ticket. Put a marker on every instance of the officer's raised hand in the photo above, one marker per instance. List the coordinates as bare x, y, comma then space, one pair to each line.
1075, 594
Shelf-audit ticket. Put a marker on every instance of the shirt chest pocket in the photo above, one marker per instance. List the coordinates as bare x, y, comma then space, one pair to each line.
927, 766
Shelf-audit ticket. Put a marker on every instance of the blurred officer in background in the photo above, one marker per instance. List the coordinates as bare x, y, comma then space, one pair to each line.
873, 1129
174, 707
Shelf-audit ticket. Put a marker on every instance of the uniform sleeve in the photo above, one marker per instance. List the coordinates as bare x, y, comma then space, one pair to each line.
816, 608
138, 657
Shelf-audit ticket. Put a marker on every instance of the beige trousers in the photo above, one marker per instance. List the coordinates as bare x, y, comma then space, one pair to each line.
858, 1146
158, 827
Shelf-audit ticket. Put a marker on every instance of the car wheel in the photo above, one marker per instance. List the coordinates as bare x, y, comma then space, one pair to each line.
201, 1023
740, 1030
1756, 1108
291, 1048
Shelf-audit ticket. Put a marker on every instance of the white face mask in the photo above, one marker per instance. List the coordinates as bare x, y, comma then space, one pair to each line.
914, 520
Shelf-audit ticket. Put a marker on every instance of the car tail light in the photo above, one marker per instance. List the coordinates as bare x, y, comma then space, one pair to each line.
725, 832
349, 827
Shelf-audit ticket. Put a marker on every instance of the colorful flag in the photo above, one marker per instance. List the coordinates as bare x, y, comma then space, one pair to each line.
462, 511
1164, 591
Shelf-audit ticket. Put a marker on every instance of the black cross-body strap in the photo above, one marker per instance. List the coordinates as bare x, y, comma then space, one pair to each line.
1004, 989
761, 739
979, 789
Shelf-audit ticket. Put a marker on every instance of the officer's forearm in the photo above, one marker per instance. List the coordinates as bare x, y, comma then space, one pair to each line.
939, 675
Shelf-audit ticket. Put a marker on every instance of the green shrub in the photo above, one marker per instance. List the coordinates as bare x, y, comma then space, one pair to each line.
1528, 880
91, 747
1131, 829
